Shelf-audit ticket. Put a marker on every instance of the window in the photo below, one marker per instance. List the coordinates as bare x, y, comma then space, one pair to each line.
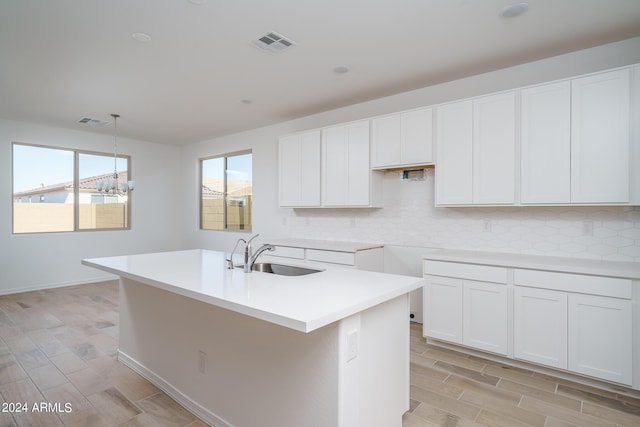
55, 189
225, 192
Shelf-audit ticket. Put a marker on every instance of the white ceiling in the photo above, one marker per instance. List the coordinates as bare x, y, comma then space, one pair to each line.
61, 60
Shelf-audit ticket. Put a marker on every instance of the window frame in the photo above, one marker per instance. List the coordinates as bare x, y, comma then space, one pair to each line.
224, 156
76, 188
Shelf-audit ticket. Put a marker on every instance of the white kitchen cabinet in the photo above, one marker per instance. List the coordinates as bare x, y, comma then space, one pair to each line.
601, 337
402, 139
346, 172
494, 141
299, 170
486, 316
473, 313
442, 306
545, 144
600, 138
540, 326
577, 316
475, 163
316, 253
577, 322
454, 154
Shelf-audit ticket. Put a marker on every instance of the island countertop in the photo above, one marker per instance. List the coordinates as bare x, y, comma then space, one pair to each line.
303, 303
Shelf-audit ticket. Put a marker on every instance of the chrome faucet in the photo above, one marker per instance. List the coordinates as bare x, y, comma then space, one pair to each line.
249, 257
249, 266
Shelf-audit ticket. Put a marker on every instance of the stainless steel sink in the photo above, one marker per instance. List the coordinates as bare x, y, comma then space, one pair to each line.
283, 270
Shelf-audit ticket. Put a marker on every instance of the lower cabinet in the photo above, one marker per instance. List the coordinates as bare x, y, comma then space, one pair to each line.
601, 337
442, 317
540, 326
579, 323
485, 316
370, 259
468, 312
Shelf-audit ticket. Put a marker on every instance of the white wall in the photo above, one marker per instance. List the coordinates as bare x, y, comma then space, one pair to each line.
33, 261
408, 219
168, 176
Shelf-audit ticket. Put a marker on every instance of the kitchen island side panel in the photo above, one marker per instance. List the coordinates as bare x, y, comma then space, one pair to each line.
259, 373
255, 373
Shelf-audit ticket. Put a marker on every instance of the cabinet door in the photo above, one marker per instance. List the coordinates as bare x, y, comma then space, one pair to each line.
299, 170
545, 138
494, 149
358, 164
540, 326
346, 173
486, 308
442, 309
601, 337
386, 141
454, 154
417, 137
600, 138
334, 166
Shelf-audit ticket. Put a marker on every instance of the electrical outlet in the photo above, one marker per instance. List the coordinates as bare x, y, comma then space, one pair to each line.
202, 361
587, 228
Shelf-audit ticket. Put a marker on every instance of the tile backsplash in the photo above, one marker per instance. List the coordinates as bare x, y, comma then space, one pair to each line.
409, 218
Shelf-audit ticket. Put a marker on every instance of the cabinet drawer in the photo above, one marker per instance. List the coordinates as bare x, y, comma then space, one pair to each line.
578, 283
288, 252
482, 273
347, 258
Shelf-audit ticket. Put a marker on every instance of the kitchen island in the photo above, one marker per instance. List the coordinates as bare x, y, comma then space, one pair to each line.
329, 348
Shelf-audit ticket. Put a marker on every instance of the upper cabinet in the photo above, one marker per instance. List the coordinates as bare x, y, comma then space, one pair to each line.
572, 142
327, 167
346, 172
575, 139
299, 169
476, 151
494, 144
600, 138
402, 140
454, 153
545, 143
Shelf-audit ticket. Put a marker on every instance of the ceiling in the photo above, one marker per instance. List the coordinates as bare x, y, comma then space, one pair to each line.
67, 59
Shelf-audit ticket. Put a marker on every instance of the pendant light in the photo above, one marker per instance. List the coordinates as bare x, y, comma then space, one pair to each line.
111, 184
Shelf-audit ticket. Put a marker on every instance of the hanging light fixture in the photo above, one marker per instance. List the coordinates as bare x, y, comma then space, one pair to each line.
111, 185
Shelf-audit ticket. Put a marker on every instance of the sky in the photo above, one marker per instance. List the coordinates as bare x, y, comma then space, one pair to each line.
238, 167
34, 167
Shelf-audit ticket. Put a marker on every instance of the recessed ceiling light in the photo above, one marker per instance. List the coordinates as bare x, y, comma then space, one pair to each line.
341, 69
513, 10
141, 37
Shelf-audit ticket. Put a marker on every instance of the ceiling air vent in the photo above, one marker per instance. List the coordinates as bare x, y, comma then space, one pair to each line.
93, 122
273, 42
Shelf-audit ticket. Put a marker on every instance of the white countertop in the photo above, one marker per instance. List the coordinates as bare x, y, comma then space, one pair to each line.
303, 303
326, 245
626, 270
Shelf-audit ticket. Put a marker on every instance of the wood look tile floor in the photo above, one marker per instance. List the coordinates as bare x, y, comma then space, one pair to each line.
449, 388
58, 346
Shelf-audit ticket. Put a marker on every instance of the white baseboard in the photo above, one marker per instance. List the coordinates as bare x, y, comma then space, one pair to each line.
195, 408
105, 278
